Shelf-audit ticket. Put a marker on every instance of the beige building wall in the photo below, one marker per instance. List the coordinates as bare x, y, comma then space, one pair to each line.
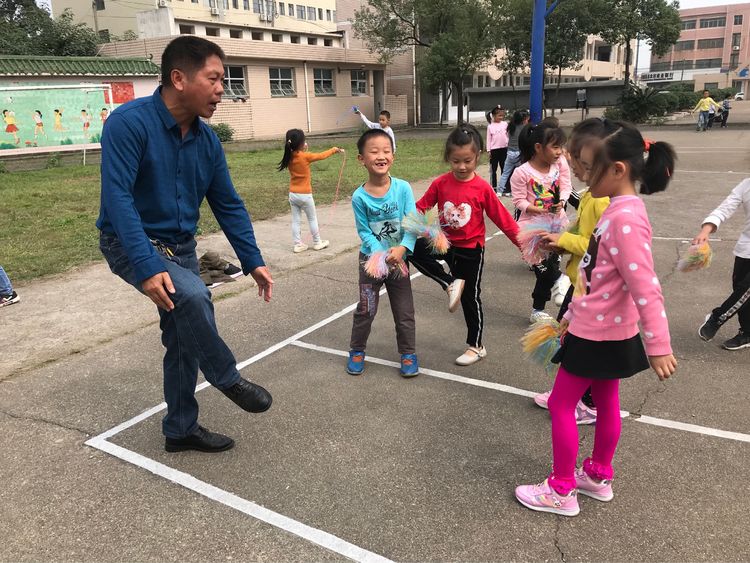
400, 78
261, 115
118, 16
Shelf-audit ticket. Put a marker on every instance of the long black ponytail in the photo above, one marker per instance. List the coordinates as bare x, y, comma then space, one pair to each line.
294, 141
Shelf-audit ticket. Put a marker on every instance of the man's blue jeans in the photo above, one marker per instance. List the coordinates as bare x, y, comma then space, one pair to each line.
6, 288
189, 334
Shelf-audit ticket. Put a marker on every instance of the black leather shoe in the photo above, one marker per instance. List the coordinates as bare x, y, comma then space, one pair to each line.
201, 440
249, 396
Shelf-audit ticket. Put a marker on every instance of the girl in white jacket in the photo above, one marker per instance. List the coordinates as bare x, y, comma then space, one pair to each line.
738, 303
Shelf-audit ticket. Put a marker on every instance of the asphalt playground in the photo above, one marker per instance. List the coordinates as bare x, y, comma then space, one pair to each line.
377, 467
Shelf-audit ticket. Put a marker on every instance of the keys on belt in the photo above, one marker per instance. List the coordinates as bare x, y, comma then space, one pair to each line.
162, 247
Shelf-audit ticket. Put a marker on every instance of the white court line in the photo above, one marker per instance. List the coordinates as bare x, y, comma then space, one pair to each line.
706, 430
664, 423
434, 373
685, 239
319, 537
711, 172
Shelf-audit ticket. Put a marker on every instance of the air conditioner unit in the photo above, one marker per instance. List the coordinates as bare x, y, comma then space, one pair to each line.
266, 17
163, 3
214, 11
735, 47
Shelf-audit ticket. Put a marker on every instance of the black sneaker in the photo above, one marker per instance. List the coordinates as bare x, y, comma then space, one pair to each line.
6, 300
249, 396
742, 340
709, 328
201, 440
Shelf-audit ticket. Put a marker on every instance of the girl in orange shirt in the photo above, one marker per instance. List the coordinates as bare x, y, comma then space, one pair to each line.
297, 160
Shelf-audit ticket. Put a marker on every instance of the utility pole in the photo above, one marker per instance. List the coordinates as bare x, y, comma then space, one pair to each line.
536, 88
94, 9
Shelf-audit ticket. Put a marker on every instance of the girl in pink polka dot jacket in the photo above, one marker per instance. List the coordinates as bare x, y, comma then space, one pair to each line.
617, 287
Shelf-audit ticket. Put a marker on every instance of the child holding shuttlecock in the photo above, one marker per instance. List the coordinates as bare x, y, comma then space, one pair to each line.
380, 205
738, 303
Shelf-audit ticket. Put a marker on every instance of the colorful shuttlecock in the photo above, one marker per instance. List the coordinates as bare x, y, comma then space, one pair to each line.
697, 257
378, 268
531, 233
541, 342
428, 227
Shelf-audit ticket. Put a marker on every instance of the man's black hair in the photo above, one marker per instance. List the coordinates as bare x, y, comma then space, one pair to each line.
188, 54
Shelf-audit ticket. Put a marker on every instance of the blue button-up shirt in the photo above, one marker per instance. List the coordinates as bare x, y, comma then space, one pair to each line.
154, 180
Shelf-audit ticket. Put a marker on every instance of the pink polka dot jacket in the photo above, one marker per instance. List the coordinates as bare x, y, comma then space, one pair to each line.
617, 286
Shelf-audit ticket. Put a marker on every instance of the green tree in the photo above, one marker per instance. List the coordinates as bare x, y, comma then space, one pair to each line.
30, 30
454, 35
568, 26
656, 21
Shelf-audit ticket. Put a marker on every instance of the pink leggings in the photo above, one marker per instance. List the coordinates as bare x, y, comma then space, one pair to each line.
566, 393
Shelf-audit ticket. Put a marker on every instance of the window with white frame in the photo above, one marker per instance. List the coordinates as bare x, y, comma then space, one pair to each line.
300, 12
282, 9
256, 6
320, 14
282, 82
311, 13
323, 82
359, 83
328, 15
290, 11
234, 82
246, 5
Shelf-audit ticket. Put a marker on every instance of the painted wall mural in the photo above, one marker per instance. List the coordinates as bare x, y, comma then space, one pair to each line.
52, 116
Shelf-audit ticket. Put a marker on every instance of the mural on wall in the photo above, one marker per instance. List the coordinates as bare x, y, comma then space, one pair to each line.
53, 116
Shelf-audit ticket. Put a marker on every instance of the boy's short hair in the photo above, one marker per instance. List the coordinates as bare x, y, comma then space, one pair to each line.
369, 134
386, 113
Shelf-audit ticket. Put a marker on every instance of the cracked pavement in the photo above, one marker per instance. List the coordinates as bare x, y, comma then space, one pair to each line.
414, 470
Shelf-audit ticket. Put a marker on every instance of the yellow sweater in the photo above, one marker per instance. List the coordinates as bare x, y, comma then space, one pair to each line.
577, 241
704, 104
299, 168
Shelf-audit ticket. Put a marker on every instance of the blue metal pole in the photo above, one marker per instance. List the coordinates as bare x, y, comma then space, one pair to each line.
536, 91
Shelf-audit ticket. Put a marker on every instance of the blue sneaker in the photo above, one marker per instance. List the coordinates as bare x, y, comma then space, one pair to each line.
356, 363
409, 365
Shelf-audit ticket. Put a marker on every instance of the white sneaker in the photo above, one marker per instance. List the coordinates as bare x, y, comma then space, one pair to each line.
471, 356
320, 245
301, 247
537, 316
542, 399
454, 294
560, 289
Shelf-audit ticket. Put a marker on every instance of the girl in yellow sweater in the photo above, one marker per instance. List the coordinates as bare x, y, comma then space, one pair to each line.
297, 160
575, 241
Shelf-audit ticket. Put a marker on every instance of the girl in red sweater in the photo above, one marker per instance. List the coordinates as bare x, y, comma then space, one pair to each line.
463, 199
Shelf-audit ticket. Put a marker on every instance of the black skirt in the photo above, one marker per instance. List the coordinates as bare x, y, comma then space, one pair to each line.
607, 359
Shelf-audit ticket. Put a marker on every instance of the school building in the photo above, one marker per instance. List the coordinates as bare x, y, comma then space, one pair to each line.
713, 50
287, 64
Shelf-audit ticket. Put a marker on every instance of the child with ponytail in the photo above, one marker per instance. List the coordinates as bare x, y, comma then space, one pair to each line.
616, 288
298, 160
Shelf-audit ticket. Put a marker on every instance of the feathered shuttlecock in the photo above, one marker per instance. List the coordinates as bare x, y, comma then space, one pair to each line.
377, 268
530, 236
541, 342
697, 257
428, 227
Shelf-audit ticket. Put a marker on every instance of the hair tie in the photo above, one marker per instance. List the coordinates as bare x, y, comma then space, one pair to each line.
289, 142
647, 144
465, 131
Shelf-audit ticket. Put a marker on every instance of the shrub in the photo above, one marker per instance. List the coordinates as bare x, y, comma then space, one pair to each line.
54, 160
223, 131
638, 105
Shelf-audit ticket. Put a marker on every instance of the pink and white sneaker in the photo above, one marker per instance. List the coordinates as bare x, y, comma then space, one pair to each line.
542, 398
600, 490
584, 414
544, 498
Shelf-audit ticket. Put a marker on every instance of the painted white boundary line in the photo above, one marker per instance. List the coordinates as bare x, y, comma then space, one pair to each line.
424, 371
711, 171
319, 537
706, 430
664, 423
434, 373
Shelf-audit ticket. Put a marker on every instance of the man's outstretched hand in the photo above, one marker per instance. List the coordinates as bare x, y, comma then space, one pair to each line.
264, 280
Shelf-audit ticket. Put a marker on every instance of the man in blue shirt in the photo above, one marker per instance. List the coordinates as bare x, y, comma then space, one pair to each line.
159, 161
